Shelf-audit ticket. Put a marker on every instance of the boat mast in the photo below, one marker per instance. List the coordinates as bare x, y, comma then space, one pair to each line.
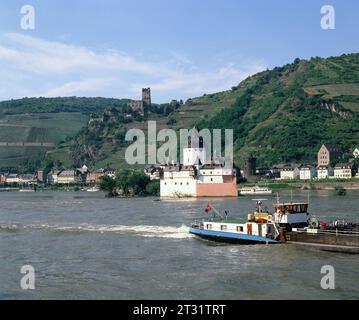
216, 212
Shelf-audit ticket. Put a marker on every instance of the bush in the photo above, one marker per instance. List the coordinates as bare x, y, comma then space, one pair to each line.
153, 188
340, 191
171, 121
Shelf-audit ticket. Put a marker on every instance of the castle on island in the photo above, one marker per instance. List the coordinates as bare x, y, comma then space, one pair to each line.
195, 177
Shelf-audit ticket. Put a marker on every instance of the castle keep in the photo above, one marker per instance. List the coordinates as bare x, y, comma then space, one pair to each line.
140, 105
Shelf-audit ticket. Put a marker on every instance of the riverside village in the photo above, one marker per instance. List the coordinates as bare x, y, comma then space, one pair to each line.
195, 179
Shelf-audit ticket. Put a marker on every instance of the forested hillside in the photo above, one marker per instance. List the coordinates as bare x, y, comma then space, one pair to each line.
285, 114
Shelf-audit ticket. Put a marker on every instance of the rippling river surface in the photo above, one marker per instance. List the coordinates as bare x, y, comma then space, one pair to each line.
84, 246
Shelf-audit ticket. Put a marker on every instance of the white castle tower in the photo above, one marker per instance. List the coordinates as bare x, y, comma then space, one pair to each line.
194, 155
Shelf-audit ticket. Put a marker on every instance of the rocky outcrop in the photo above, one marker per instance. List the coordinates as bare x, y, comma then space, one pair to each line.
338, 109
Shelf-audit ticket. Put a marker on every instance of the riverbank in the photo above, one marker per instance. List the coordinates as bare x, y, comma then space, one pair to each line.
326, 186
274, 185
74, 189
46, 189
352, 184
9, 189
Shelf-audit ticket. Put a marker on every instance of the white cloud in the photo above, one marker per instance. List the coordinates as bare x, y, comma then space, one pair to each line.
206, 82
79, 87
32, 66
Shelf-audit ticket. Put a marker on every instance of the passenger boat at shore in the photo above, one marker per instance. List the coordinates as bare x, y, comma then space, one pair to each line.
26, 190
289, 223
93, 189
255, 191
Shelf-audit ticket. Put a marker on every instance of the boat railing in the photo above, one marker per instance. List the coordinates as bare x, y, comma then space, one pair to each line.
335, 232
198, 223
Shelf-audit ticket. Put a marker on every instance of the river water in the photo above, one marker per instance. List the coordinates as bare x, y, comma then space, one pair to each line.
84, 246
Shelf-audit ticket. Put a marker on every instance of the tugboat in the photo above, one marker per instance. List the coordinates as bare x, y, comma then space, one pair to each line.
259, 228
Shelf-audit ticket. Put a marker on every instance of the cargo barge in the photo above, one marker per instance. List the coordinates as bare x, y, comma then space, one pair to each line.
289, 223
336, 238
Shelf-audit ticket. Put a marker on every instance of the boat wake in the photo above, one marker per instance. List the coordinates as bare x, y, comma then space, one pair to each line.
146, 231
9, 227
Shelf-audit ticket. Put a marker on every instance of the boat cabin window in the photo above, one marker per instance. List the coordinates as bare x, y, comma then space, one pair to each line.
291, 208
209, 227
240, 229
223, 227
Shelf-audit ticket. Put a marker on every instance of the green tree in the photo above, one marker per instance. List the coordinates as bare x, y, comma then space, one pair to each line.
122, 181
132, 182
108, 185
138, 182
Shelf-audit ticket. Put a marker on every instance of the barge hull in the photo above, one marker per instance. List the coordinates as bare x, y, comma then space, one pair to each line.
228, 237
327, 247
348, 243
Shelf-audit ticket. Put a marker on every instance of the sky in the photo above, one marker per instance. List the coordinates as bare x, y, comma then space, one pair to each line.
179, 48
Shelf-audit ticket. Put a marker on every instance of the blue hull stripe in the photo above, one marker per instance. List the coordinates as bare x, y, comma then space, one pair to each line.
230, 235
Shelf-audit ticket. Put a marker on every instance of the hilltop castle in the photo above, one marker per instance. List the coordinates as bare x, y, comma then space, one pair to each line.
140, 105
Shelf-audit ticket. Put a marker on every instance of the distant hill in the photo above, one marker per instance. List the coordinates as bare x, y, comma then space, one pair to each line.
44, 120
56, 105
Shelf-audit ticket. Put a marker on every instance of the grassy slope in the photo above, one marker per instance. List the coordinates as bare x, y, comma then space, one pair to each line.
49, 127
44, 120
